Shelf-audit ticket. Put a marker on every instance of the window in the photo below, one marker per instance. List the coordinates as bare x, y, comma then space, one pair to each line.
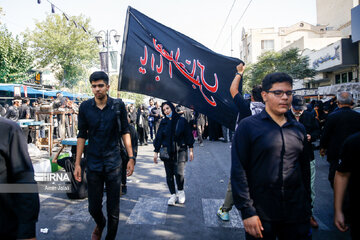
344, 78
337, 79
267, 44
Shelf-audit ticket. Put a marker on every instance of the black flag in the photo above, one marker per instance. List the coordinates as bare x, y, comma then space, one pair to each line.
161, 62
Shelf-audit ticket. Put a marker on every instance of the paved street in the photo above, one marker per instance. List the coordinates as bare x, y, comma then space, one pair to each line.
144, 213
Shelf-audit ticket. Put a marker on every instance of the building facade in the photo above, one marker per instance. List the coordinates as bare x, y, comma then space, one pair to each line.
337, 64
302, 35
332, 46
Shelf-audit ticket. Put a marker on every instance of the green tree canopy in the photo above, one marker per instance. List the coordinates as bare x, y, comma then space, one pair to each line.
15, 59
68, 49
288, 61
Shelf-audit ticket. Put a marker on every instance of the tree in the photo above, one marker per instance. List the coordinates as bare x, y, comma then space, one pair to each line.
138, 98
288, 61
65, 46
15, 59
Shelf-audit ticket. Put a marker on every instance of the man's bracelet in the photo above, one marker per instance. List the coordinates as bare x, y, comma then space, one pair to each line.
133, 158
240, 74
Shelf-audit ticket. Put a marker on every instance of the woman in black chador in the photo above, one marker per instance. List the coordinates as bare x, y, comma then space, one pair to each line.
172, 140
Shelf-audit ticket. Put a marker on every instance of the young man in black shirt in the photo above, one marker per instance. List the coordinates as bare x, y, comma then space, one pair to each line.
18, 211
270, 169
347, 179
98, 122
12, 112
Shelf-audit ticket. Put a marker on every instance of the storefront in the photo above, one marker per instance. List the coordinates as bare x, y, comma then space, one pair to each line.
337, 63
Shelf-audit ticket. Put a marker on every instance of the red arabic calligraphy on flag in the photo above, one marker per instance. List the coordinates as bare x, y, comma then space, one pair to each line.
181, 67
161, 62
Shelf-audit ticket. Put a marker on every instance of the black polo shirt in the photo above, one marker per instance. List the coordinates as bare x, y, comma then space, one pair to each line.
100, 127
270, 172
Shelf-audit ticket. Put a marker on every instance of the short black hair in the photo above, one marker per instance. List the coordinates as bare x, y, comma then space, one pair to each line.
26, 100
256, 93
275, 77
99, 75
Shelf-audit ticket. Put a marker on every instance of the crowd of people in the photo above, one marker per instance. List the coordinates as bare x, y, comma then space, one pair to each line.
272, 154
64, 118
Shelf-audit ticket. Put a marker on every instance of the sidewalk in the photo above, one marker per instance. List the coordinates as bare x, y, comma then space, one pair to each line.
144, 213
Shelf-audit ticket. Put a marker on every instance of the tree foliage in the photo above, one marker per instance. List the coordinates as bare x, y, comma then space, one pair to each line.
67, 49
113, 92
288, 61
15, 59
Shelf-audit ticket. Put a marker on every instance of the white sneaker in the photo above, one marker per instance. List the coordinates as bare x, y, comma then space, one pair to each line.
172, 200
181, 196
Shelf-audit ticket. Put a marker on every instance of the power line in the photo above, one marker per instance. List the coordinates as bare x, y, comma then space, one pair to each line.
224, 23
237, 23
53, 7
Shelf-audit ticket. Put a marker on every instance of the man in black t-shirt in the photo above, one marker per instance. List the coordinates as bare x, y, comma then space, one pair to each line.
346, 176
24, 109
12, 112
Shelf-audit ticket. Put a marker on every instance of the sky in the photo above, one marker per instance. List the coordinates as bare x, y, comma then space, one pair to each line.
202, 20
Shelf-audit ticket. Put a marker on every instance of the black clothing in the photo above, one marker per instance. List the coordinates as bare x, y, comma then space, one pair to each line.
59, 102
124, 155
32, 112
214, 128
103, 158
349, 162
176, 130
142, 124
18, 211
339, 125
24, 110
243, 107
100, 127
174, 169
284, 231
174, 134
12, 113
79, 190
156, 113
270, 171
312, 128
132, 116
112, 180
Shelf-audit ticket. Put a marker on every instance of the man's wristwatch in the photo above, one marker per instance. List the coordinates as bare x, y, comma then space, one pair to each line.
133, 158
240, 74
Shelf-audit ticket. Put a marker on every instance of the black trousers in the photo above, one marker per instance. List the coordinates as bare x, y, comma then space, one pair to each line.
96, 182
123, 169
141, 134
175, 170
284, 231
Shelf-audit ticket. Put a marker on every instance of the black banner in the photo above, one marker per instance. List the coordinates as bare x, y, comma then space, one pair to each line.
104, 61
161, 62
